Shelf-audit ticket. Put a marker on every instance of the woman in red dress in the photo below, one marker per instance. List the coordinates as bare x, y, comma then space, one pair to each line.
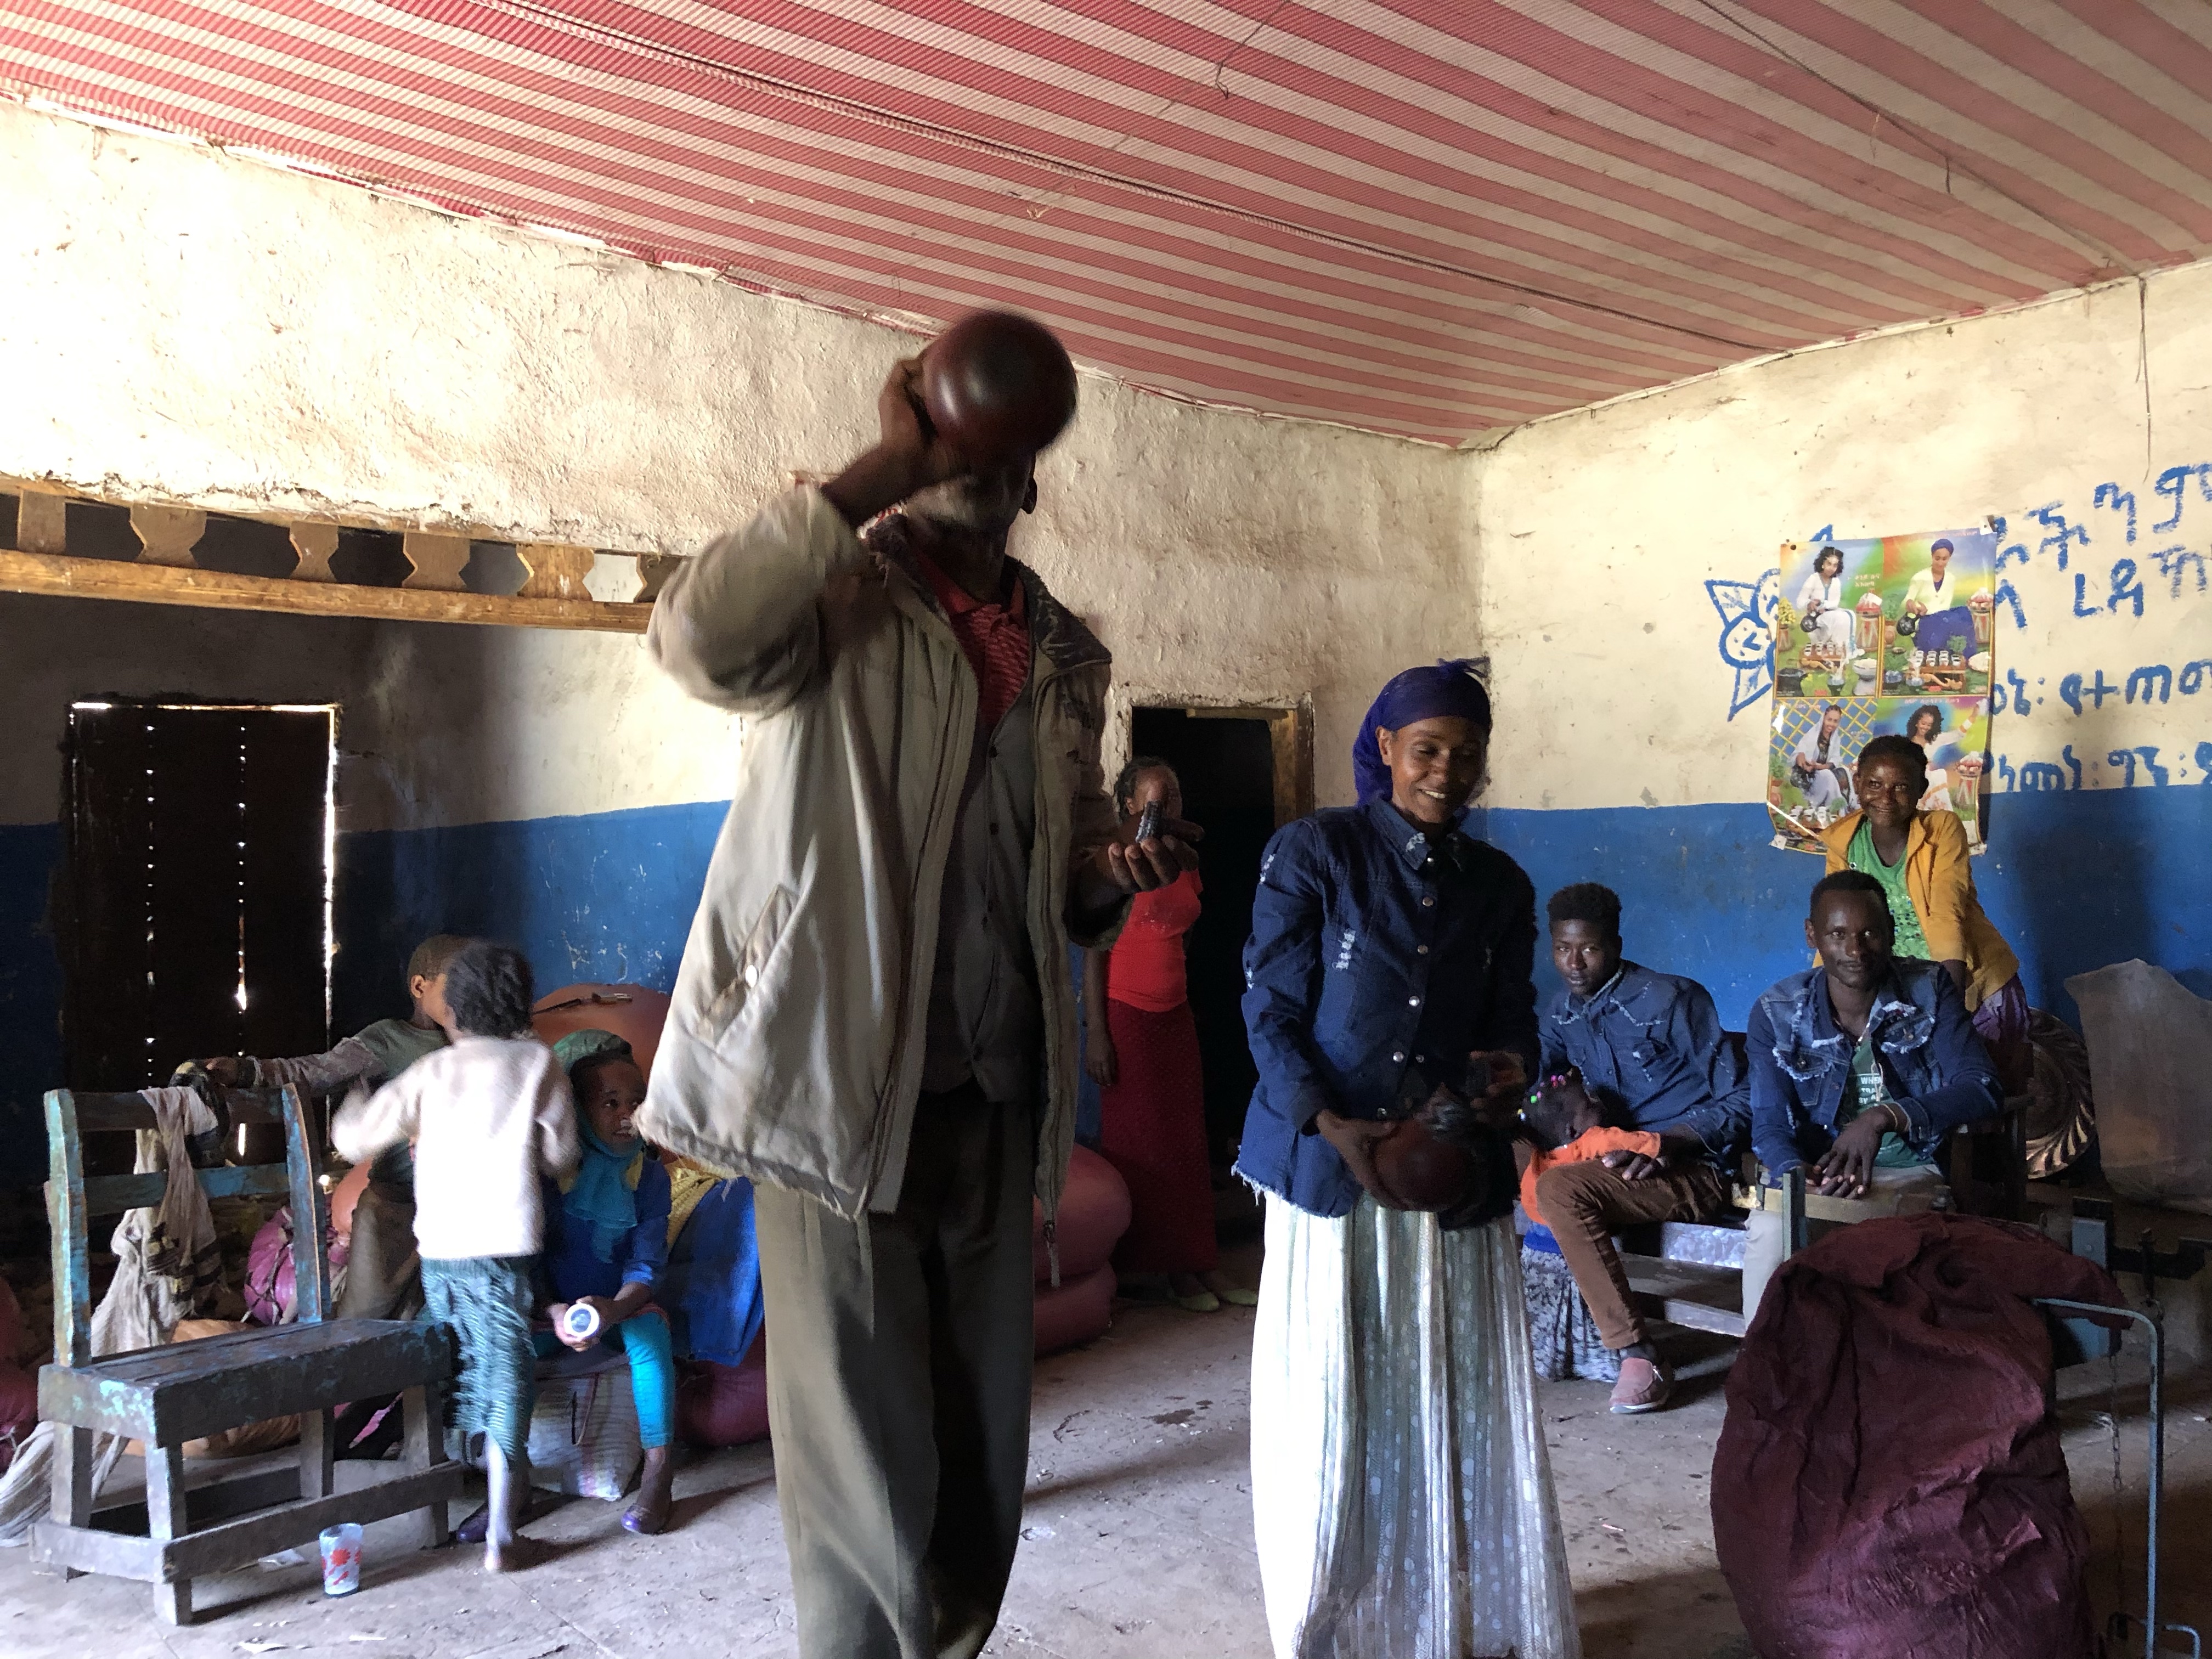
1142, 1051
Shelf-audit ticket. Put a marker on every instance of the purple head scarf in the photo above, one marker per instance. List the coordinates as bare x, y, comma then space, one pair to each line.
1447, 690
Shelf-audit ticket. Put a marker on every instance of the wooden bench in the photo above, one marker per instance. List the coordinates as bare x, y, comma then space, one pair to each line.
1692, 1274
164, 1397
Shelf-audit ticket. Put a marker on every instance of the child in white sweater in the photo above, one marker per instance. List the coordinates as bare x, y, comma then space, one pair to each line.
490, 1117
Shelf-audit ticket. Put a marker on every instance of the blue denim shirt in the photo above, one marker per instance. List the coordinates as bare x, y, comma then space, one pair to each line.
1375, 968
1650, 1047
1932, 1063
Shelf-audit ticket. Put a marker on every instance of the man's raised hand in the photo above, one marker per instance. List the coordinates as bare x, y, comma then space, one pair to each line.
908, 457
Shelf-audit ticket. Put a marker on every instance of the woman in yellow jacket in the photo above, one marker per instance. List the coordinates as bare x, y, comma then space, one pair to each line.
1920, 858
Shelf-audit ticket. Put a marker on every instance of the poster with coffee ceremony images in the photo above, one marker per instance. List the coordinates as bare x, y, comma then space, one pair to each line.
1815, 746
1886, 617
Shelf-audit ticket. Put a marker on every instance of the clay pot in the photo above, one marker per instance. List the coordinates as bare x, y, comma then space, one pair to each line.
631, 1011
1420, 1171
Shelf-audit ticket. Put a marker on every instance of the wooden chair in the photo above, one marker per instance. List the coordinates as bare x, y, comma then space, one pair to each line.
163, 1397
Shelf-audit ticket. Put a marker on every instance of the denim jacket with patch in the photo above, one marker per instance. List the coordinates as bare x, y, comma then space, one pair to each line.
1650, 1047
1932, 1063
1377, 965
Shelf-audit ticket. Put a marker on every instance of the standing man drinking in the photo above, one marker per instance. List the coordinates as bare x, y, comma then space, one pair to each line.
873, 1020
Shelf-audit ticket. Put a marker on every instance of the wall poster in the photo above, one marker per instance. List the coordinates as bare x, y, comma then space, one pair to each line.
1889, 635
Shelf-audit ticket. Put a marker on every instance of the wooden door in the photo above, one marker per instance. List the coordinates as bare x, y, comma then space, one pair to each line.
198, 878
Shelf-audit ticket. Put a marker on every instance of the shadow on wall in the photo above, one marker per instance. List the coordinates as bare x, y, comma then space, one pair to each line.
608, 897
2075, 880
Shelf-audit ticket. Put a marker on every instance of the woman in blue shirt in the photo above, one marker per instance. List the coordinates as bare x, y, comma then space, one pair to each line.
1400, 1492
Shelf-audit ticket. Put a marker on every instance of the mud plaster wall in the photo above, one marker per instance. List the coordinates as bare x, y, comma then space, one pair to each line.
187, 326
200, 328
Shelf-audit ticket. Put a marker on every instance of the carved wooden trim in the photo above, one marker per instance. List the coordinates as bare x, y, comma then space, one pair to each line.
438, 560
120, 579
166, 572
41, 521
556, 571
314, 544
167, 535
653, 570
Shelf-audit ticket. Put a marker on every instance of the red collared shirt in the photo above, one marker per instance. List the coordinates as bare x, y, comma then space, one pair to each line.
996, 638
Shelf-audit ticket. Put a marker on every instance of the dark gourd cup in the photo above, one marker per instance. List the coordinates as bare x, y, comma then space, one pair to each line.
998, 386
1421, 1171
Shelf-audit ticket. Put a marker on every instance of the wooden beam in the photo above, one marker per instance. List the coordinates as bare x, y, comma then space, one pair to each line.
113, 579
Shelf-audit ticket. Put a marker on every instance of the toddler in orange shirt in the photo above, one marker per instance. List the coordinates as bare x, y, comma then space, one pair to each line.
1563, 1125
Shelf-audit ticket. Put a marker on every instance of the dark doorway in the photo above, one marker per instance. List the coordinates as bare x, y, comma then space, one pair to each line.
1226, 763
199, 886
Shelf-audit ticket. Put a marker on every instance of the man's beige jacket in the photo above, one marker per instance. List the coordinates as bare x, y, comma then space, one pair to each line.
793, 1054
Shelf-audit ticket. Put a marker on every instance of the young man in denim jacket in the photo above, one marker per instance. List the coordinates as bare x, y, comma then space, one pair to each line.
1649, 1048
1859, 1069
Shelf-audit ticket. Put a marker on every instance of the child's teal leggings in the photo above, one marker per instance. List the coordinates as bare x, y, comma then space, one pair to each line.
644, 1338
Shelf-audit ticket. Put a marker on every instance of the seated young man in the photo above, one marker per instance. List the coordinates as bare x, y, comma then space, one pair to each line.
1649, 1049
1859, 1069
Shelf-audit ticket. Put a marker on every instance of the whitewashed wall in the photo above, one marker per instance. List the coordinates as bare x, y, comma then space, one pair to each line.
193, 327
1599, 531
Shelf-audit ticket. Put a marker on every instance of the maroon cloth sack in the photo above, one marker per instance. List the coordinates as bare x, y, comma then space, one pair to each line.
1890, 1481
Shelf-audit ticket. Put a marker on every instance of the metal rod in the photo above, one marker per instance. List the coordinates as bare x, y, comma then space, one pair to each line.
2149, 1322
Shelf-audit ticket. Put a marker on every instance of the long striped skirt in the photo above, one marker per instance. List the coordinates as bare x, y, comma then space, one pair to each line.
1400, 1492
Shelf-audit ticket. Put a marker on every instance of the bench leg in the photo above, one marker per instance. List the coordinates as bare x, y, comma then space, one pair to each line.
165, 1522
71, 1498
317, 1454
423, 1419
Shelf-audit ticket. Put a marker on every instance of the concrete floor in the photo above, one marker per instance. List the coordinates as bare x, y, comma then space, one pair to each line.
1138, 1542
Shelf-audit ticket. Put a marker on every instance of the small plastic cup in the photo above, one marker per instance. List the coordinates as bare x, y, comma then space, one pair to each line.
582, 1319
341, 1558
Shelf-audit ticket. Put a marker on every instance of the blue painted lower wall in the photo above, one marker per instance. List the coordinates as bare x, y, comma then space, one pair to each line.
2083, 879
604, 897
2074, 881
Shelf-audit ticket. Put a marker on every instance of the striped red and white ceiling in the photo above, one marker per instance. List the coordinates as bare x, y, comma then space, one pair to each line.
1419, 217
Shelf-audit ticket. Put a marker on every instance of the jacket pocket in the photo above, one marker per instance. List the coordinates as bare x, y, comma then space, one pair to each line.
749, 966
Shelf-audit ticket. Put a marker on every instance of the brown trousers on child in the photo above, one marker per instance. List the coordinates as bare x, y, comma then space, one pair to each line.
1585, 1204
898, 1390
